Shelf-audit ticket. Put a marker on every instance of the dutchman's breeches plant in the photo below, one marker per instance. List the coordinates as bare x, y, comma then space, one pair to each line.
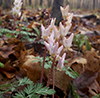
55, 41
16, 10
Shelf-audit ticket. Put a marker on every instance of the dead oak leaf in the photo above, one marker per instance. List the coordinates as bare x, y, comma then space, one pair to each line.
5, 51
94, 88
84, 81
78, 64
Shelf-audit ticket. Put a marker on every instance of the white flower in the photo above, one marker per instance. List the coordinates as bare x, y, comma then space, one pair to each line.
45, 32
51, 39
59, 50
61, 62
64, 30
64, 11
56, 33
17, 7
69, 19
52, 48
68, 42
52, 24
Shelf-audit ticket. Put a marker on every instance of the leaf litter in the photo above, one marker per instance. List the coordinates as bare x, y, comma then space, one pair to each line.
17, 56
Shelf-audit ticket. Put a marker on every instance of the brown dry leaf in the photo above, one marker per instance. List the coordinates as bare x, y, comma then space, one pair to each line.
5, 50
11, 55
33, 25
84, 81
3, 17
97, 28
96, 43
83, 30
1, 43
9, 75
98, 78
3, 79
9, 68
78, 64
81, 60
33, 68
94, 88
93, 60
62, 81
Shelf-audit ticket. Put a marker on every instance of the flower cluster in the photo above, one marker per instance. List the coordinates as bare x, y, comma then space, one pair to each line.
66, 16
55, 39
17, 6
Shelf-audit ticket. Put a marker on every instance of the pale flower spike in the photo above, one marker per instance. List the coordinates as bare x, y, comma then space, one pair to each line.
64, 30
59, 50
69, 19
68, 42
61, 62
64, 11
56, 33
51, 48
45, 32
52, 24
17, 7
51, 39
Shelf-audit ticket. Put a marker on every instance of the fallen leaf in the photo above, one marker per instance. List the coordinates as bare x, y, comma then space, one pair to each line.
84, 81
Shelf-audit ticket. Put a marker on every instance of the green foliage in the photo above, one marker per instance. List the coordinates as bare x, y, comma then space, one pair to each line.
97, 96
70, 72
80, 40
1, 21
48, 61
1, 65
34, 91
73, 91
65, 61
38, 32
12, 33
11, 87
31, 91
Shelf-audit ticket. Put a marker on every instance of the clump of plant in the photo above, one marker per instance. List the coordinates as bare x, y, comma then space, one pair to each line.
31, 91
15, 34
22, 32
16, 11
48, 61
81, 40
55, 41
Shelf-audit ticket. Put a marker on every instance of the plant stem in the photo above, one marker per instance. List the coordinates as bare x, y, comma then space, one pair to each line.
14, 23
43, 65
53, 81
48, 82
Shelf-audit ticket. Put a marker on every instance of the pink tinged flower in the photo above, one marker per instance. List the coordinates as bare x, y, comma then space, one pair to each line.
64, 11
56, 33
45, 32
64, 30
52, 24
68, 42
51, 48
17, 7
69, 18
16, 11
51, 39
61, 62
59, 50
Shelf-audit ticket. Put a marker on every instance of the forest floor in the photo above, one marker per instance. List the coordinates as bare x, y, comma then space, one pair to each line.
22, 52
